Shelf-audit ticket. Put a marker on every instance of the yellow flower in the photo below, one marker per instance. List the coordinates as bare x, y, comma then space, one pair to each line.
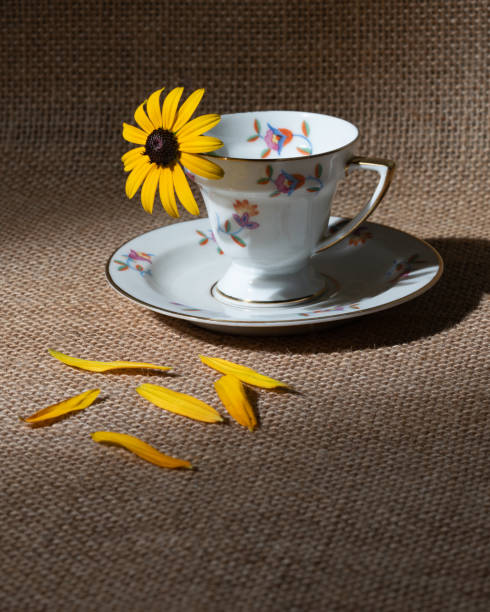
169, 141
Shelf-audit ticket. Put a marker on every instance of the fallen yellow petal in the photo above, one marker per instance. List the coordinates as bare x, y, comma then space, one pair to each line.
232, 393
180, 403
103, 366
78, 402
140, 448
246, 375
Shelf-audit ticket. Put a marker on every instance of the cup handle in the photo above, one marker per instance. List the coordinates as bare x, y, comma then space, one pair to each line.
385, 168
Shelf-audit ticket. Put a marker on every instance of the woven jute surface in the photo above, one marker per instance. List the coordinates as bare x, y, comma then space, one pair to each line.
368, 489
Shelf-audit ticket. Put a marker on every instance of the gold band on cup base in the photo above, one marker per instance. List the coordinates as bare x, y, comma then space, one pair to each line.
217, 294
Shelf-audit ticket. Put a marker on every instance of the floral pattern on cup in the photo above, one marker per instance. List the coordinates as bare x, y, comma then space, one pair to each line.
277, 138
286, 183
243, 220
244, 206
136, 260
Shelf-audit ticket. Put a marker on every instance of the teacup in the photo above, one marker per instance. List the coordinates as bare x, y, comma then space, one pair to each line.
270, 211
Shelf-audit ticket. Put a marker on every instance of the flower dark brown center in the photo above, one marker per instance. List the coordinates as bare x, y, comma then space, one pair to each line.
162, 147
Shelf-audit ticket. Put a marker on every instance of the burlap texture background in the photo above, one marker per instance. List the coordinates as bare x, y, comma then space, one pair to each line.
366, 490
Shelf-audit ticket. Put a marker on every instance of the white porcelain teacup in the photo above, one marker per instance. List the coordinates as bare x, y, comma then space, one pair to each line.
270, 210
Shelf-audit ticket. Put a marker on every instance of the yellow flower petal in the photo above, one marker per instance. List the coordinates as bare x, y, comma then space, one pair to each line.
78, 402
183, 190
198, 126
246, 375
200, 166
153, 109
149, 188
142, 119
134, 134
170, 107
136, 161
187, 109
132, 154
167, 193
103, 366
179, 403
140, 448
137, 176
232, 393
201, 144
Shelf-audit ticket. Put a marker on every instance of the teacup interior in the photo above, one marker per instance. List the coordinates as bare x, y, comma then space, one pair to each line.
281, 134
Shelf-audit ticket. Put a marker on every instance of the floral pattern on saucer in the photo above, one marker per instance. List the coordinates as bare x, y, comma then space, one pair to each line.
206, 237
337, 308
129, 262
401, 268
191, 309
356, 238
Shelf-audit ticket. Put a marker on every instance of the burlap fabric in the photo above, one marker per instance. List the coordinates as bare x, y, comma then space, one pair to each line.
368, 489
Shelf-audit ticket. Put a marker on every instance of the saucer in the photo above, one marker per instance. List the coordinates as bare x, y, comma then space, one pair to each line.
172, 270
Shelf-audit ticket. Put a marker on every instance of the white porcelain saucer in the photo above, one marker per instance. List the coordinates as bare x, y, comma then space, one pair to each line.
172, 270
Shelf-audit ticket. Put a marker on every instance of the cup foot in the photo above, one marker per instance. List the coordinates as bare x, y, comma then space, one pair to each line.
249, 287
307, 285
228, 299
